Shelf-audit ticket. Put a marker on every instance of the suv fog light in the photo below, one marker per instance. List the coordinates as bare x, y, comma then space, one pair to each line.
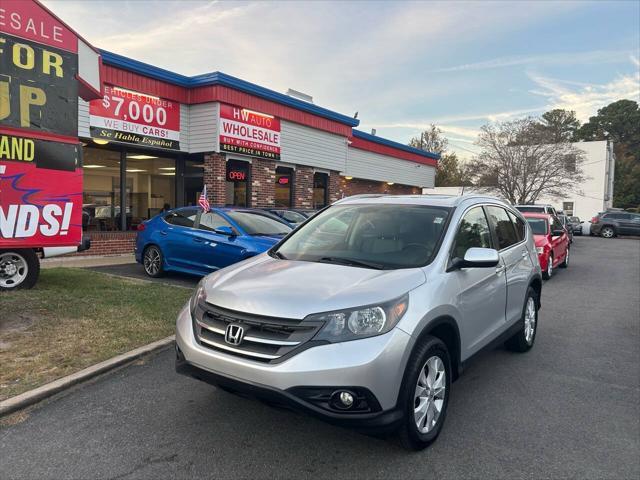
343, 400
346, 399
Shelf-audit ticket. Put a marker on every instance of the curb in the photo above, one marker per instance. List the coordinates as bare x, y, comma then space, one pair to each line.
26, 399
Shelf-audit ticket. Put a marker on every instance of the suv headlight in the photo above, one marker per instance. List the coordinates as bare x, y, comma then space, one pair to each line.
361, 322
197, 296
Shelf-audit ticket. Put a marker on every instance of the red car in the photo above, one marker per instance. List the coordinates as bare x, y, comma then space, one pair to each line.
552, 241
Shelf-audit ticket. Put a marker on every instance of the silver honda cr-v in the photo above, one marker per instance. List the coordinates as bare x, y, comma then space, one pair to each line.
366, 313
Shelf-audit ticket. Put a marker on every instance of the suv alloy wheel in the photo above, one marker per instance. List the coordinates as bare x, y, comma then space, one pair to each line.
425, 393
607, 232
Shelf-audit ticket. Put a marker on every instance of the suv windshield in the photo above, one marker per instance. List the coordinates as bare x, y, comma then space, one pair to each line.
256, 224
370, 236
538, 225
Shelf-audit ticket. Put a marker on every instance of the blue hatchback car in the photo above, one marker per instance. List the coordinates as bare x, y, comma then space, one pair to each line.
190, 241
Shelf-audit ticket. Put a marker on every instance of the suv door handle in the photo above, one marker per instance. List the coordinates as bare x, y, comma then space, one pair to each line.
524, 253
198, 240
163, 232
501, 269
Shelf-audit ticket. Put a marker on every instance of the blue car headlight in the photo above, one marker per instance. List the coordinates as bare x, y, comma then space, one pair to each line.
360, 322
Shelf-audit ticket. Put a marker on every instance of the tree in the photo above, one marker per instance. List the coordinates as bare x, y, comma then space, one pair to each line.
556, 126
620, 122
450, 172
521, 169
430, 140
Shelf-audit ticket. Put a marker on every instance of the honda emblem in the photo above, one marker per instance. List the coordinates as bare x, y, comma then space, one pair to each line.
233, 334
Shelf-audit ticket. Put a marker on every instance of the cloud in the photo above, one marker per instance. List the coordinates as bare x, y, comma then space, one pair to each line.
585, 100
566, 58
634, 60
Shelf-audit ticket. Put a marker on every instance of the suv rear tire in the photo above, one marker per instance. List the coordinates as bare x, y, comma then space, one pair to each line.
526, 336
608, 232
425, 393
565, 262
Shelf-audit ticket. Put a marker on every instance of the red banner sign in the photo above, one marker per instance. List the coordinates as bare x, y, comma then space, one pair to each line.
246, 132
41, 193
40, 156
26, 19
132, 117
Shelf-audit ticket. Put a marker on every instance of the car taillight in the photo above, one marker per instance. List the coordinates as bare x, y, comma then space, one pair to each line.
140, 227
594, 220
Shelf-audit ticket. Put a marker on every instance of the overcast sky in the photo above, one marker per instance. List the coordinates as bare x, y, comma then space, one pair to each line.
401, 65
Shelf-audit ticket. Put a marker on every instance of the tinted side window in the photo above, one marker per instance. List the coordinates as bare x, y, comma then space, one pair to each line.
182, 218
502, 226
472, 232
210, 221
521, 228
613, 215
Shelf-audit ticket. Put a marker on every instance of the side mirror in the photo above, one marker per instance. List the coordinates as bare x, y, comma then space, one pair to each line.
477, 258
224, 230
557, 233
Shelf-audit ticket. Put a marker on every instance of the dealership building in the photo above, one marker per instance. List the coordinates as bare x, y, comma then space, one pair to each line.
157, 138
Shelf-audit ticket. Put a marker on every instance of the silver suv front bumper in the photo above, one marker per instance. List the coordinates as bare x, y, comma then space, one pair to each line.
376, 364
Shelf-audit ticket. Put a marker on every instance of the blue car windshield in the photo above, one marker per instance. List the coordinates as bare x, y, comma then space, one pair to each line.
256, 224
372, 236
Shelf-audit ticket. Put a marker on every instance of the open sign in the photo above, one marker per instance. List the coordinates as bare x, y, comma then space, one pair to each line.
236, 175
283, 181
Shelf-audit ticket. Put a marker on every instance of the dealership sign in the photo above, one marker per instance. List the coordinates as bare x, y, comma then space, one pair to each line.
40, 155
132, 117
246, 132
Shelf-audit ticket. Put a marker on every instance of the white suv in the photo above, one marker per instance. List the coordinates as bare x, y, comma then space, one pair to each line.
366, 313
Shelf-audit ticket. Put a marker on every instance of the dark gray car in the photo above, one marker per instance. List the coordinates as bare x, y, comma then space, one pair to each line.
612, 224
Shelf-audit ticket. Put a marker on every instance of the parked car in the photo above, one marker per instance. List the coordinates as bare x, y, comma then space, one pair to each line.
552, 242
536, 209
576, 225
293, 217
564, 220
190, 241
365, 314
306, 212
612, 223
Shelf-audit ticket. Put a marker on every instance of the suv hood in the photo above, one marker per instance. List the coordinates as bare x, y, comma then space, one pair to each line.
294, 289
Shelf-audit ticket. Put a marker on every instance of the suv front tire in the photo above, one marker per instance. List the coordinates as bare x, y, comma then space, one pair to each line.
425, 393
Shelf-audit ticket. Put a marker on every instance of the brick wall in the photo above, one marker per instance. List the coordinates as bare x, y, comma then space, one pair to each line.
303, 187
109, 243
263, 182
336, 190
357, 186
215, 176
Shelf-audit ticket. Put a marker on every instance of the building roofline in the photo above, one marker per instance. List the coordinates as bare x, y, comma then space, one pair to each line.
392, 144
219, 78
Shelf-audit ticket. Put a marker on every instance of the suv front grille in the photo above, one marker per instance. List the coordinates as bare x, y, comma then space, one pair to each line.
265, 339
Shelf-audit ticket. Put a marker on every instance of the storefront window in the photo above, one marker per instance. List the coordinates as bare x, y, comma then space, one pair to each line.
320, 190
237, 183
151, 182
101, 196
284, 178
193, 181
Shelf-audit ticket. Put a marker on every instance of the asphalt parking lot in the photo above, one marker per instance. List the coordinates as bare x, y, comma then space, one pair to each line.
568, 408
135, 270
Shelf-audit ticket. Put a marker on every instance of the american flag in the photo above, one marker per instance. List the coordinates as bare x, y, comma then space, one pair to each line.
202, 201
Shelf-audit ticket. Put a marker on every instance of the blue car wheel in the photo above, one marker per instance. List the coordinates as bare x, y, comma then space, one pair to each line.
152, 261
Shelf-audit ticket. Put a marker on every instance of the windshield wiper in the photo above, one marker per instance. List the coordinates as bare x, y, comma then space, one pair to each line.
278, 255
352, 262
